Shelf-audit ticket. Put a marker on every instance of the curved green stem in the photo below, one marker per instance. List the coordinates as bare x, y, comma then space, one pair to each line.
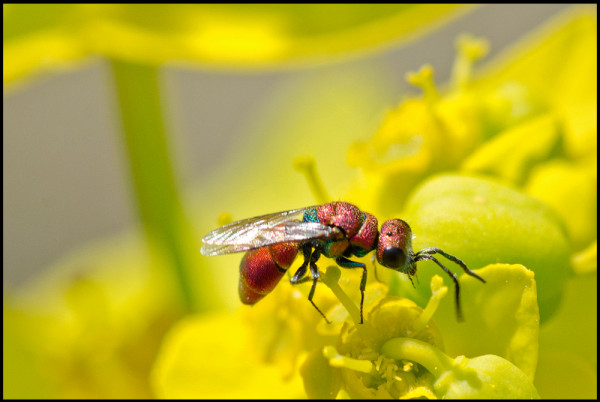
139, 95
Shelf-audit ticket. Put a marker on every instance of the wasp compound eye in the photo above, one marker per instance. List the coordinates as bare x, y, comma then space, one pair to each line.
393, 257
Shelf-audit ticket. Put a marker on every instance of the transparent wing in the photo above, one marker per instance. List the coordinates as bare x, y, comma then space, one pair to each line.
262, 231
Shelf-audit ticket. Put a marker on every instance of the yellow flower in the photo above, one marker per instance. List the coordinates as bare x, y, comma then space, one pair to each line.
90, 327
363, 360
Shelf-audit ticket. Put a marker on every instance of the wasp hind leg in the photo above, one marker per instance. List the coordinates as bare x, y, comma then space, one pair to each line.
301, 271
310, 259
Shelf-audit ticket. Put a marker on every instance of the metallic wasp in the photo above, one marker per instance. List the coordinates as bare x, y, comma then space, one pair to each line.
337, 230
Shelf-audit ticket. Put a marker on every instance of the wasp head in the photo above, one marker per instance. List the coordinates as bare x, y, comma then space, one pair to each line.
394, 248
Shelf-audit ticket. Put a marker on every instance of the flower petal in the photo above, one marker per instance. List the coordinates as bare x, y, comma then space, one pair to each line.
503, 314
210, 357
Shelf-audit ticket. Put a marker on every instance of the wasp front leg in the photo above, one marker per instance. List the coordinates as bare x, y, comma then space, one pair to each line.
346, 263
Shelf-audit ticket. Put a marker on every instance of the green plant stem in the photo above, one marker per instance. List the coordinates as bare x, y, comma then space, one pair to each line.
158, 202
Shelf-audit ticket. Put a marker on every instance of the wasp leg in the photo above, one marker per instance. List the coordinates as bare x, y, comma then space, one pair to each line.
301, 271
310, 257
314, 271
410, 275
423, 257
435, 250
346, 263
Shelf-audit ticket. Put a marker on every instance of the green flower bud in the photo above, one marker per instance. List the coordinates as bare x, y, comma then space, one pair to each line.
483, 222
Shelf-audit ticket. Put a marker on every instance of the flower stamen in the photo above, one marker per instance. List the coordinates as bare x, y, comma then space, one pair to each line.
330, 279
306, 165
438, 291
424, 79
469, 50
338, 360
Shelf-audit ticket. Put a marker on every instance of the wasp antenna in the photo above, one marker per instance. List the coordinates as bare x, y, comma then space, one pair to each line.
435, 250
411, 280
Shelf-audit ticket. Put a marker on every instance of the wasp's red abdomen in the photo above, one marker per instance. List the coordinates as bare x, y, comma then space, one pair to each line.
262, 268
